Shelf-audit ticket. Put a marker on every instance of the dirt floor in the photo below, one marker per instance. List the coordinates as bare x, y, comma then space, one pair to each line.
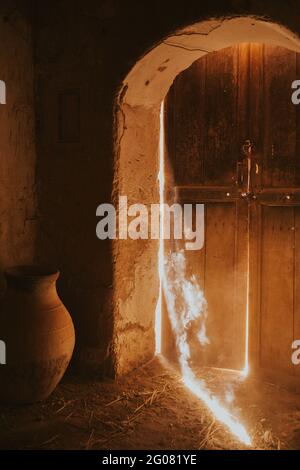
152, 409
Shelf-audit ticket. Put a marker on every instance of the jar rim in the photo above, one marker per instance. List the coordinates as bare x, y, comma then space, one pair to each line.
33, 272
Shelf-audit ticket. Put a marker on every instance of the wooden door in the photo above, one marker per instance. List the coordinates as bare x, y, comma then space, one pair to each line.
275, 213
223, 100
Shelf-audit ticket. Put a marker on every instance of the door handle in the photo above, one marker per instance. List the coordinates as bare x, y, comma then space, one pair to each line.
247, 147
247, 150
239, 174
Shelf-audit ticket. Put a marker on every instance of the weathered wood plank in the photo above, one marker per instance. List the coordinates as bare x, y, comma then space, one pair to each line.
223, 328
280, 117
277, 300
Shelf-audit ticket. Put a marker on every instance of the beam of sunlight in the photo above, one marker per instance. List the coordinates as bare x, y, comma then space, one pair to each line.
186, 306
161, 182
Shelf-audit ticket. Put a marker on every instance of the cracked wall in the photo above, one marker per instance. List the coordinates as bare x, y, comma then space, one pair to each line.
146, 86
17, 138
135, 275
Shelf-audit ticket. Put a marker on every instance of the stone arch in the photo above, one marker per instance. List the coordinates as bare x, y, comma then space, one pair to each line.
136, 164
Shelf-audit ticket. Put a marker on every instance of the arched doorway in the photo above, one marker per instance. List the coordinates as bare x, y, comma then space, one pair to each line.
136, 165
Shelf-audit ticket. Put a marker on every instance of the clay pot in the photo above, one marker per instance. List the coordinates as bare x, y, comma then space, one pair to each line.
38, 333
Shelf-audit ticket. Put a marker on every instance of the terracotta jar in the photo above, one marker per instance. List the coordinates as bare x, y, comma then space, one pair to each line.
38, 333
